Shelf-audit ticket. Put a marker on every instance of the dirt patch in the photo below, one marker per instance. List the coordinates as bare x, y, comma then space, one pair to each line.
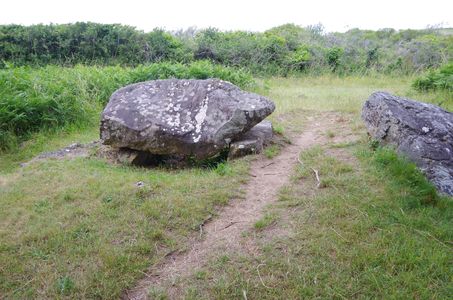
225, 233
72, 151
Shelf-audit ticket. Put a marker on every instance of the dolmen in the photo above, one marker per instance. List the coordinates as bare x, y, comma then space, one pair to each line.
196, 119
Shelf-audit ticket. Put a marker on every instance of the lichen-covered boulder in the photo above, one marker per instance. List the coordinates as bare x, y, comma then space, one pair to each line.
423, 132
196, 118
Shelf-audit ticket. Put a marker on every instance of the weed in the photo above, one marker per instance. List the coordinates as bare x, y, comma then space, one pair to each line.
107, 199
278, 129
441, 79
42, 206
65, 285
201, 275
272, 151
223, 169
330, 134
158, 294
373, 144
265, 221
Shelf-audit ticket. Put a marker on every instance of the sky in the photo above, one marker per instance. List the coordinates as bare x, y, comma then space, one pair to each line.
233, 14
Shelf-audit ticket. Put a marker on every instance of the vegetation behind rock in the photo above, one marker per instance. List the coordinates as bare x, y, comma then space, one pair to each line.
279, 50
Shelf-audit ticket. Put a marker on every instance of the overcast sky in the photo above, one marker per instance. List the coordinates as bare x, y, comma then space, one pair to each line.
253, 15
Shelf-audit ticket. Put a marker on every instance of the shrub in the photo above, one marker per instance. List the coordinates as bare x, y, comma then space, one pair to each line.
271, 52
300, 58
333, 57
441, 79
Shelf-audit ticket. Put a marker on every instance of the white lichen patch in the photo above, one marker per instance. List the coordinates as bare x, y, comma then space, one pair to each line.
174, 121
425, 129
199, 119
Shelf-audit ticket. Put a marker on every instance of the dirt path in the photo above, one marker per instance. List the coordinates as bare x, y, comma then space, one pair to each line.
225, 231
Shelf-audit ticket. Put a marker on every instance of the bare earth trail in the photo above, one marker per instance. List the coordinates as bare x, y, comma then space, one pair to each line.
224, 233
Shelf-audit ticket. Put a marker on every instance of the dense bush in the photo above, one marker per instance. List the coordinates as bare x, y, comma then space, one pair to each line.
86, 43
441, 79
32, 99
280, 50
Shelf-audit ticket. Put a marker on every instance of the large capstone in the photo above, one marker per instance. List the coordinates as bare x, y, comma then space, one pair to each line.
197, 118
422, 132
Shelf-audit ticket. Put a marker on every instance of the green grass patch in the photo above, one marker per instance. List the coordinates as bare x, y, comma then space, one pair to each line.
272, 151
334, 93
266, 221
405, 174
378, 231
278, 129
83, 229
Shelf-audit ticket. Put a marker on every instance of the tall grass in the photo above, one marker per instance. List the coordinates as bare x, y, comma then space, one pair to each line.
33, 99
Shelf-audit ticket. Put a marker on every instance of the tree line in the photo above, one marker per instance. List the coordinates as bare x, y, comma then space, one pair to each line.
278, 50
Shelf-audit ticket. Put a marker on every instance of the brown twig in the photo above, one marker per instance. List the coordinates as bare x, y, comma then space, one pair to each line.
203, 223
267, 165
339, 235
18, 289
430, 235
298, 158
259, 275
229, 225
317, 177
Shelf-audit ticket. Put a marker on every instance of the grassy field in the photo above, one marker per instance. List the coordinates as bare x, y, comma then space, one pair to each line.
375, 229
344, 94
82, 228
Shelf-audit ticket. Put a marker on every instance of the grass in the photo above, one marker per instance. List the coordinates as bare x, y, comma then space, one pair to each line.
272, 151
82, 228
330, 134
360, 236
278, 129
266, 221
343, 94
